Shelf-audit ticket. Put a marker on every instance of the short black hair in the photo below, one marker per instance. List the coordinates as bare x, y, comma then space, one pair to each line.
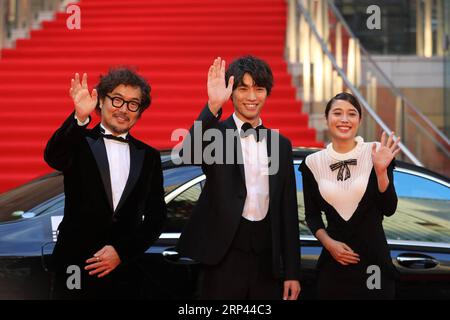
258, 69
126, 76
346, 97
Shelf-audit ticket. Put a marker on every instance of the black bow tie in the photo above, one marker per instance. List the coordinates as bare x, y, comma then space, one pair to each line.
247, 130
343, 165
112, 137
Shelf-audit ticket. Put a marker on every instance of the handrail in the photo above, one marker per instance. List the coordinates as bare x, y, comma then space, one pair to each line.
17, 17
348, 83
391, 85
3, 24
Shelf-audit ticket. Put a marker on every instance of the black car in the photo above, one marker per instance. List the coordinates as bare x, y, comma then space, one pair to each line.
418, 235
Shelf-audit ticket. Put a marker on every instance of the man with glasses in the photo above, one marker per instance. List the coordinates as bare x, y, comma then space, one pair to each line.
114, 205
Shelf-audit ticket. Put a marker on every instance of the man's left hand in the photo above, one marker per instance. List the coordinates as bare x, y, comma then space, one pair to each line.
291, 290
103, 262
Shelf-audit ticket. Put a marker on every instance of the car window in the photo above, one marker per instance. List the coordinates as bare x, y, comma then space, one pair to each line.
180, 208
423, 210
175, 177
26, 201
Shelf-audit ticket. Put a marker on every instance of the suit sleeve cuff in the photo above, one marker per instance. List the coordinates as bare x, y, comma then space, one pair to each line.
207, 115
82, 124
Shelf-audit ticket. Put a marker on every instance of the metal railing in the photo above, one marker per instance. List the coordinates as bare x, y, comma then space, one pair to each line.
427, 43
418, 26
18, 17
332, 60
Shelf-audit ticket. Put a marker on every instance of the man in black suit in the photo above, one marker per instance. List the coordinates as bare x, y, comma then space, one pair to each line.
244, 229
113, 183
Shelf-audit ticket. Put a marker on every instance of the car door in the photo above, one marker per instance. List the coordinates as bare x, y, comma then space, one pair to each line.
165, 275
25, 226
310, 247
419, 235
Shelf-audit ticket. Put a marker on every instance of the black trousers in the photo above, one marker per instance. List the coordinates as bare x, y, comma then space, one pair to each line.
240, 276
246, 270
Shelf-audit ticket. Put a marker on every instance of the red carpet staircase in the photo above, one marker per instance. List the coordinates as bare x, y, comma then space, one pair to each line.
172, 43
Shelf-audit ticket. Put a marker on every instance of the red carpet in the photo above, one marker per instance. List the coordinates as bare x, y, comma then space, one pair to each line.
172, 43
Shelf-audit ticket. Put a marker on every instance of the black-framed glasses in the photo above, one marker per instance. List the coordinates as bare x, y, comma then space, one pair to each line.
118, 102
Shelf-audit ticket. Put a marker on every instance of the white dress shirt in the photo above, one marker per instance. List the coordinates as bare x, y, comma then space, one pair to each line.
256, 175
119, 165
118, 154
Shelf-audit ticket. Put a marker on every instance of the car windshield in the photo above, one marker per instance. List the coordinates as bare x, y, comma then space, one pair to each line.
175, 177
26, 201
19, 203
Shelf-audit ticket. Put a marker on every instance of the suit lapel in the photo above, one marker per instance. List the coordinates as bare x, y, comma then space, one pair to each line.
230, 124
136, 163
272, 177
98, 149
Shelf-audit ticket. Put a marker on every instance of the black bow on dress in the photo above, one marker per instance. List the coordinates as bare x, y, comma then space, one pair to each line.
343, 165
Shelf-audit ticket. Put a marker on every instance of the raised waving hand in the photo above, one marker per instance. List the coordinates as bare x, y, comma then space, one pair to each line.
218, 91
83, 100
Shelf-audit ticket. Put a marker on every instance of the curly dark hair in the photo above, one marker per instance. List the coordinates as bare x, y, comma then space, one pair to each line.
346, 97
126, 76
258, 69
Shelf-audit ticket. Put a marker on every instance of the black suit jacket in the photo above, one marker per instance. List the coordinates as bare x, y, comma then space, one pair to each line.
212, 227
89, 221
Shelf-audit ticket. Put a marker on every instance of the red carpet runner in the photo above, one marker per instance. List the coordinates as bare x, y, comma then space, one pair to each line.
172, 43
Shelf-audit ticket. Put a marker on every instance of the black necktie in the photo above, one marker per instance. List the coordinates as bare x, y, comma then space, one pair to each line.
343, 165
112, 137
247, 130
